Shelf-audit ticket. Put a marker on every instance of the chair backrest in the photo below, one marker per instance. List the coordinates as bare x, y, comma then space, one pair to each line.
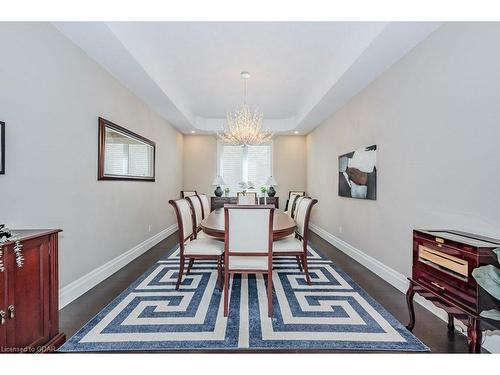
205, 204
249, 237
302, 215
188, 193
247, 198
296, 192
290, 204
296, 205
184, 215
292, 195
197, 208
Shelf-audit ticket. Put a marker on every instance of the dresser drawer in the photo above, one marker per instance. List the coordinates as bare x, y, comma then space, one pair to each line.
456, 290
455, 265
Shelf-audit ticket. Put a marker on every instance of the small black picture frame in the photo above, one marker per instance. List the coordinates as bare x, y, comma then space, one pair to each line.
2, 147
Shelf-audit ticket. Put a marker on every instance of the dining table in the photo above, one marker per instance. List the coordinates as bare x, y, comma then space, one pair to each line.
213, 224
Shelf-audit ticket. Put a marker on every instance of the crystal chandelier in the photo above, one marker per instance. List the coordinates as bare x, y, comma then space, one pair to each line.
244, 127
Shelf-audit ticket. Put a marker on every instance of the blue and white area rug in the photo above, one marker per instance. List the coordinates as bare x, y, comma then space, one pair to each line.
333, 313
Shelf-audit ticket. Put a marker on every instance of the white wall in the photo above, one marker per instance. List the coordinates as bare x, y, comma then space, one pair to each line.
200, 163
289, 163
435, 117
51, 94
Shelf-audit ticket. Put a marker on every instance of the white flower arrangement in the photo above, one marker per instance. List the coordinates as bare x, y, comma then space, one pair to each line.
7, 235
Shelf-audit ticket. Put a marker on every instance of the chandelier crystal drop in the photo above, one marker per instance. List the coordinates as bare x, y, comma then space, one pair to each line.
244, 126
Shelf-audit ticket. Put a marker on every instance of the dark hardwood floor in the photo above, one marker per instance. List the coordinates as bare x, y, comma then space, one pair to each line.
429, 328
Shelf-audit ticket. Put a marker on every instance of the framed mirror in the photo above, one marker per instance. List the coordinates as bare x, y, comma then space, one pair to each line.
124, 155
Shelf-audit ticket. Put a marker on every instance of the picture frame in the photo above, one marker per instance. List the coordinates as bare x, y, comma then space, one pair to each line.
357, 172
2, 147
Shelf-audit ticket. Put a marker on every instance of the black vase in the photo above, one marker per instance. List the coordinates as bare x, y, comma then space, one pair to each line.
271, 192
218, 192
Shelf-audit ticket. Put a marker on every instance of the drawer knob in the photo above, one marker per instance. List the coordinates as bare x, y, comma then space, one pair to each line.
11, 309
2, 317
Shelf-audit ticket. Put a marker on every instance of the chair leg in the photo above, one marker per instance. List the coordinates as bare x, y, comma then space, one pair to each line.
306, 269
270, 294
219, 273
190, 265
226, 293
298, 262
181, 271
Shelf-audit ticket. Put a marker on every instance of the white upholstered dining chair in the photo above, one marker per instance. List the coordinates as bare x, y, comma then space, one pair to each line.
290, 204
205, 204
188, 193
292, 195
195, 203
296, 245
192, 248
295, 205
248, 246
246, 198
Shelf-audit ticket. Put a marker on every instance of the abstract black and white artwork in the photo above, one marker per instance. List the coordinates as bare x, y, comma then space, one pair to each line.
358, 174
2, 147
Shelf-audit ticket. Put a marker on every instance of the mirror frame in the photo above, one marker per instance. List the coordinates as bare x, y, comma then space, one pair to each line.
2, 147
103, 124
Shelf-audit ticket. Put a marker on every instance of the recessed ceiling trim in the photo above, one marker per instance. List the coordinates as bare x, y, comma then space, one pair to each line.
292, 62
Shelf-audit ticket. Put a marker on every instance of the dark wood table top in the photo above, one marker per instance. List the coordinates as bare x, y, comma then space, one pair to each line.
213, 225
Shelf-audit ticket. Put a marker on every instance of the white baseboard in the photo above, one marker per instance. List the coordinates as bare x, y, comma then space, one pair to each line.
396, 279
78, 287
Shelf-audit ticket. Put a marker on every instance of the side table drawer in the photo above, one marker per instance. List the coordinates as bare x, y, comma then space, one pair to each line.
463, 294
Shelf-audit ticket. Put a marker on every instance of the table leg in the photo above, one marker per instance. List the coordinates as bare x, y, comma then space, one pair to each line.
409, 301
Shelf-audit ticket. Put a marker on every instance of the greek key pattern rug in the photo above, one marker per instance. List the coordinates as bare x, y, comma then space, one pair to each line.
333, 313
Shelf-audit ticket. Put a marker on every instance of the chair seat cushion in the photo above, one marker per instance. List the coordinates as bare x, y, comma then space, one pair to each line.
204, 246
202, 234
289, 243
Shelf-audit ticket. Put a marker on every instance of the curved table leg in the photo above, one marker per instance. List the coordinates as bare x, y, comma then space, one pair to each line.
409, 301
475, 335
451, 324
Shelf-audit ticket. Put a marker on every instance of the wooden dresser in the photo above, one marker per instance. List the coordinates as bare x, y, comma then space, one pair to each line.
443, 261
29, 308
219, 202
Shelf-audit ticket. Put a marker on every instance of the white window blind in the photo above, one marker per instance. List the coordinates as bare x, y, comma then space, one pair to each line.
127, 156
251, 164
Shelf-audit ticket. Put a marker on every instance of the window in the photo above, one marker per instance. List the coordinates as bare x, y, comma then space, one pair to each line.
250, 164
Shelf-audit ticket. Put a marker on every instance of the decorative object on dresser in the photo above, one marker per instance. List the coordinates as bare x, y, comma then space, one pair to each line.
271, 182
263, 191
123, 154
443, 261
29, 304
218, 181
2, 147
